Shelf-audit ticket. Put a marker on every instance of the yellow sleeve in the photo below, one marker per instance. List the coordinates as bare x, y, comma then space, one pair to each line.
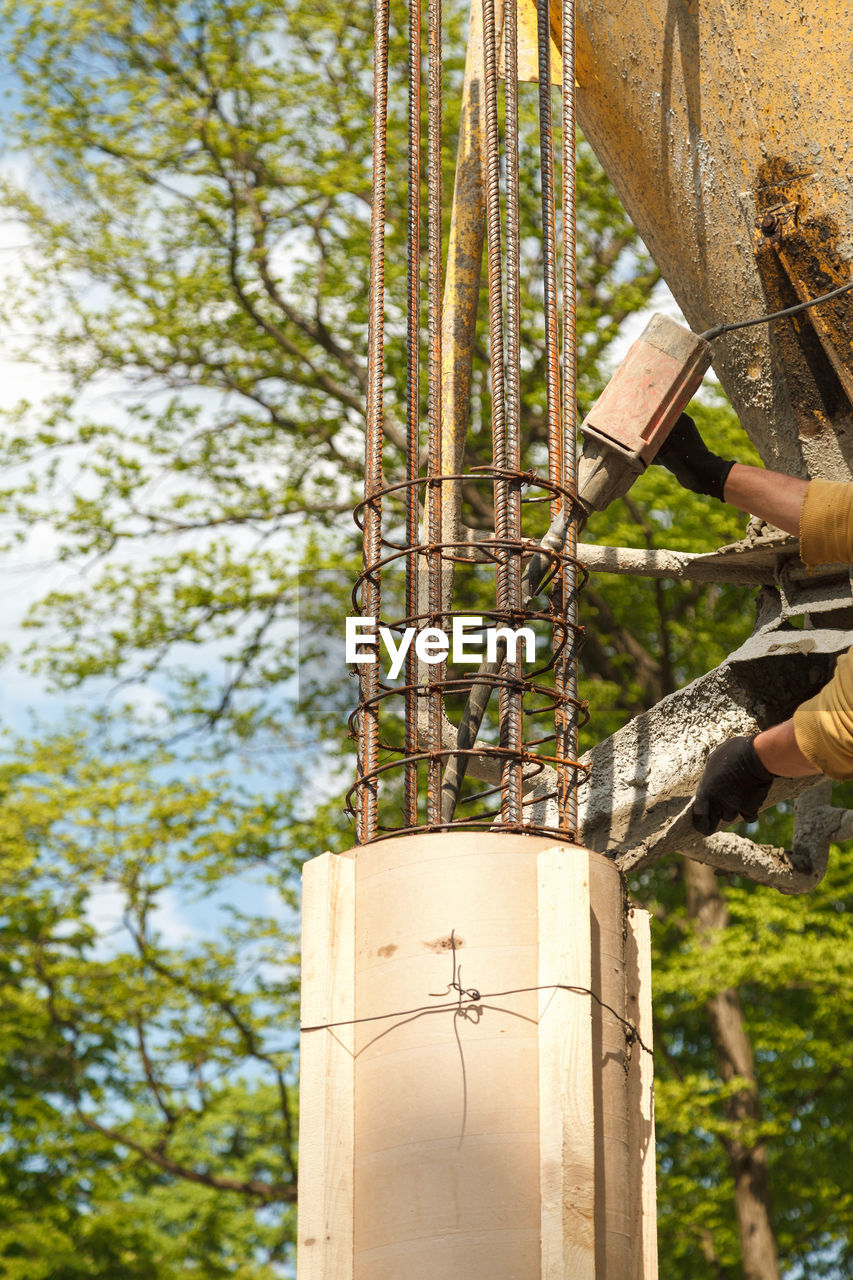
823, 726
826, 523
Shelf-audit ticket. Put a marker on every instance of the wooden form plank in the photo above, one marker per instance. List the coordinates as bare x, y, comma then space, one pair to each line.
327, 1083
641, 1098
610, 1047
566, 1093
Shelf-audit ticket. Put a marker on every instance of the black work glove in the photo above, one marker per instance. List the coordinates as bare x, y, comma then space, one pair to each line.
686, 455
734, 783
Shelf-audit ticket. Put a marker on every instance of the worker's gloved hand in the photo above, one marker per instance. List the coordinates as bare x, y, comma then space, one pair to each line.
735, 782
685, 454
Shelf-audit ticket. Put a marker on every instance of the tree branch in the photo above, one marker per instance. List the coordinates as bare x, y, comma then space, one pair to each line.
243, 1028
268, 1192
168, 1114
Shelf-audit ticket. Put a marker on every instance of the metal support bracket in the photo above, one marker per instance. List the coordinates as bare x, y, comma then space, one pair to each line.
776, 224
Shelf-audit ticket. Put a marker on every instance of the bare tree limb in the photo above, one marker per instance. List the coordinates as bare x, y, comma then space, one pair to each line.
268, 1192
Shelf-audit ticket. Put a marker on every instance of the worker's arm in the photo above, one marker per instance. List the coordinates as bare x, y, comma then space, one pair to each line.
739, 773
819, 737
820, 512
768, 494
781, 754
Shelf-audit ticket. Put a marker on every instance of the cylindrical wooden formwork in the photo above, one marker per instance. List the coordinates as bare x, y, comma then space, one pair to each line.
476, 1091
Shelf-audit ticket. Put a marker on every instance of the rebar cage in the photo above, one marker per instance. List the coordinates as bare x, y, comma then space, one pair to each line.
427, 738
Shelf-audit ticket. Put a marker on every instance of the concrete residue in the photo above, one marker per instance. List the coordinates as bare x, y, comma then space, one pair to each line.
445, 943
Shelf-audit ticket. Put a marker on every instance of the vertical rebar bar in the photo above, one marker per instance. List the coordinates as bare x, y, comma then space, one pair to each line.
493, 236
413, 316
549, 251
510, 795
434, 494
552, 381
512, 709
367, 815
567, 795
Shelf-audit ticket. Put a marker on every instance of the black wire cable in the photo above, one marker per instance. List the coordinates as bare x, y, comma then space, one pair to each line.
476, 1003
719, 329
477, 998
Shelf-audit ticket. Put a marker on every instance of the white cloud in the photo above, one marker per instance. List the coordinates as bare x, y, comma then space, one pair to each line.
105, 909
170, 921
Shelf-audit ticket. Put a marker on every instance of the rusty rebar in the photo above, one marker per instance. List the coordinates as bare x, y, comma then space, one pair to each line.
546, 692
567, 733
552, 375
498, 674
434, 494
512, 709
413, 328
368, 737
493, 237
511, 781
480, 694
549, 249
457, 764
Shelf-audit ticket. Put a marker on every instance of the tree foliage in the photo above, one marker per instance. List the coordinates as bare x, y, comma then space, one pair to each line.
144, 1048
198, 217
